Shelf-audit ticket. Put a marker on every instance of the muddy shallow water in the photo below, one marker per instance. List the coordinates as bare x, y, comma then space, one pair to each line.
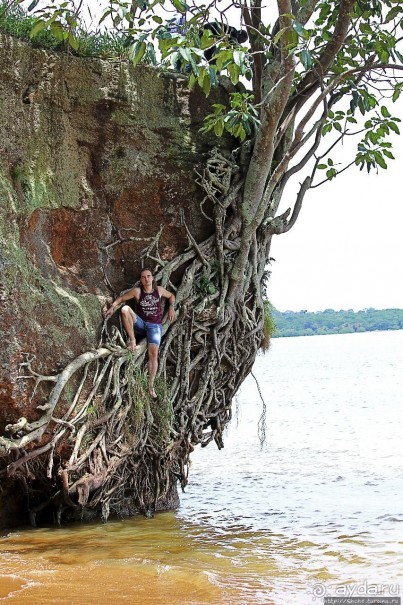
316, 511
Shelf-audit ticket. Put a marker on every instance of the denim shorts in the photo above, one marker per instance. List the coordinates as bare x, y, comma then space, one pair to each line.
152, 331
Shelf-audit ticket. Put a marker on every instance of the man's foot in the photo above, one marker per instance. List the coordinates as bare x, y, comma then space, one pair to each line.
131, 345
153, 394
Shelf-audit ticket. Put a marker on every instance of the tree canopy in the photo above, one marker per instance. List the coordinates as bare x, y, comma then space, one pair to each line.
305, 323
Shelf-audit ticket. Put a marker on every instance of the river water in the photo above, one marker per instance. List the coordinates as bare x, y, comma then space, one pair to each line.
317, 511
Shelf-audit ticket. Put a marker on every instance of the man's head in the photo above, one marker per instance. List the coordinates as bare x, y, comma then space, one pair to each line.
146, 278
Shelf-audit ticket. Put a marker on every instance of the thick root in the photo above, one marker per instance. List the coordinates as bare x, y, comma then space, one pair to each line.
113, 450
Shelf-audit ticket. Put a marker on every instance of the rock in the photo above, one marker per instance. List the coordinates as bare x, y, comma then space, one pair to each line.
96, 156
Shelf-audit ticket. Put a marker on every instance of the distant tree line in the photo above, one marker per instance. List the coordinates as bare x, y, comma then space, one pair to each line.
304, 323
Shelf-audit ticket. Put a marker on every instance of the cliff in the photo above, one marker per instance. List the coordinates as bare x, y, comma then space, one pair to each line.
95, 157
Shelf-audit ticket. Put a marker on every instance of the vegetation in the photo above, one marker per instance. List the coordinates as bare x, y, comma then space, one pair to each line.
269, 325
303, 323
319, 72
14, 20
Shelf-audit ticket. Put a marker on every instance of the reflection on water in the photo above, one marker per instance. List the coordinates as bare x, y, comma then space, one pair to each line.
317, 508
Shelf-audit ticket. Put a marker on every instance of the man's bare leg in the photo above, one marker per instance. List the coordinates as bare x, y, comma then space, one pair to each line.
128, 319
152, 368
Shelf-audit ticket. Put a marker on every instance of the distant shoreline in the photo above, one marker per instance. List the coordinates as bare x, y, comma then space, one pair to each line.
309, 323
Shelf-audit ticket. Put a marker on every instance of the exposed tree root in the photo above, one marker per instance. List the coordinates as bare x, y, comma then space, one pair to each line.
110, 449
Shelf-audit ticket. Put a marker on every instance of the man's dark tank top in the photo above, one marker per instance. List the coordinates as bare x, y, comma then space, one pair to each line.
149, 306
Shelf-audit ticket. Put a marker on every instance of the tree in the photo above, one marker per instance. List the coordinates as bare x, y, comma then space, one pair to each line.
319, 72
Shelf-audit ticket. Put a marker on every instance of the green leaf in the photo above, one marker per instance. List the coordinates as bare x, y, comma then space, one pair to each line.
379, 160
38, 27
240, 132
394, 127
388, 154
385, 112
206, 85
331, 173
179, 5
195, 69
219, 107
293, 42
157, 19
384, 56
206, 40
238, 57
246, 126
151, 53
116, 20
219, 127
392, 14
298, 28
365, 28
306, 58
234, 72
322, 166
105, 15
200, 77
33, 4
74, 43
396, 94
213, 76
279, 34
138, 52
165, 46
57, 30
192, 80
222, 57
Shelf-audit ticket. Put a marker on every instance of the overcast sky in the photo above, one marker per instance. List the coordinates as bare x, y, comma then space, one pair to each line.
346, 249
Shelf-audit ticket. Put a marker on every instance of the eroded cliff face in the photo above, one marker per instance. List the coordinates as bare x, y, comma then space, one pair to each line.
95, 157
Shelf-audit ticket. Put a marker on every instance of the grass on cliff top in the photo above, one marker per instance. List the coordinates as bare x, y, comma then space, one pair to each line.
16, 22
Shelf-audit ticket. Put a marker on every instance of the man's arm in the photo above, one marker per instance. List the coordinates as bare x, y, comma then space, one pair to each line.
171, 299
132, 293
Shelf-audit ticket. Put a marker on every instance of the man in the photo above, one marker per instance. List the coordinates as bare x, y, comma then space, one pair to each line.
147, 320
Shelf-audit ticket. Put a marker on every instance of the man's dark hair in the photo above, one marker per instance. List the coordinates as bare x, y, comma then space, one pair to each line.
147, 269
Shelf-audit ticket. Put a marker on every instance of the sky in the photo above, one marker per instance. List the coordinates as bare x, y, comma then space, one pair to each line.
346, 249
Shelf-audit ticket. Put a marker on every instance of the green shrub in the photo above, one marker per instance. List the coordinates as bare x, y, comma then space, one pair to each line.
16, 22
269, 325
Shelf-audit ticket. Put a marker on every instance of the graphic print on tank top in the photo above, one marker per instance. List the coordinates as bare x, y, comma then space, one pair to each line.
149, 307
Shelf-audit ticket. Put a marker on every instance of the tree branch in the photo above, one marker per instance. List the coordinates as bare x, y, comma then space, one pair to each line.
280, 224
313, 78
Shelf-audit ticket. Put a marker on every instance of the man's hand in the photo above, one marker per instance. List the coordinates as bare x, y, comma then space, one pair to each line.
107, 313
171, 313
